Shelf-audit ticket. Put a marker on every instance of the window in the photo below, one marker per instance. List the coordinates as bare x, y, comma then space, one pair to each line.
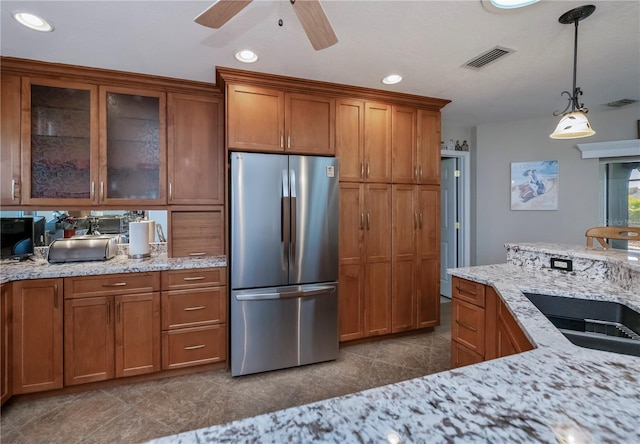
622, 196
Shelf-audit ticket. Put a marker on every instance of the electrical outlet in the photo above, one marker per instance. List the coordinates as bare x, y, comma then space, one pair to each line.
561, 264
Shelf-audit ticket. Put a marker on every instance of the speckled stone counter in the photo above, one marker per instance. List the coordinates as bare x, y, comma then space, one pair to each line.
11, 270
557, 392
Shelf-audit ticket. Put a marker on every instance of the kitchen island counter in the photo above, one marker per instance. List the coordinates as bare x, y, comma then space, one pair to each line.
557, 392
38, 268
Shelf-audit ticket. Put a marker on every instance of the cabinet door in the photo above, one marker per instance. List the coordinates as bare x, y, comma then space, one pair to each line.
310, 124
352, 271
59, 142
255, 118
405, 225
10, 141
196, 233
428, 147
378, 259
510, 339
403, 142
5, 343
137, 334
350, 139
132, 147
88, 340
428, 254
37, 335
195, 150
377, 142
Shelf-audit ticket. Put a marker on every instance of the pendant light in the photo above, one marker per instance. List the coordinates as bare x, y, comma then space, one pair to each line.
574, 124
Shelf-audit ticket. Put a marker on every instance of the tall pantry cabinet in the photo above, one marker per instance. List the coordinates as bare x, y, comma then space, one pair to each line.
389, 215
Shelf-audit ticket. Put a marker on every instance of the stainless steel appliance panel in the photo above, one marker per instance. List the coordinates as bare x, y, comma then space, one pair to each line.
273, 328
314, 197
259, 220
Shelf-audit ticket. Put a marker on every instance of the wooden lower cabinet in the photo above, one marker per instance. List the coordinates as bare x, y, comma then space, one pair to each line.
89, 340
37, 335
111, 327
194, 317
5, 343
194, 346
137, 334
482, 327
196, 231
365, 260
416, 257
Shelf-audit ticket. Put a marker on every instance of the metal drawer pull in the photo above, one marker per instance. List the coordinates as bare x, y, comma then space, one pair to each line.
199, 307
468, 327
195, 347
200, 253
117, 284
195, 278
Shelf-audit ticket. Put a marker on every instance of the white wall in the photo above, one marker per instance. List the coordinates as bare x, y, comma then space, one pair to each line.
497, 145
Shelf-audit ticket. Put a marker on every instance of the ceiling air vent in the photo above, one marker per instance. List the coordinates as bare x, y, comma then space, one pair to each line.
620, 103
487, 57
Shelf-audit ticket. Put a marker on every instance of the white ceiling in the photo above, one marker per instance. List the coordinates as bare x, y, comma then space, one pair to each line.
424, 41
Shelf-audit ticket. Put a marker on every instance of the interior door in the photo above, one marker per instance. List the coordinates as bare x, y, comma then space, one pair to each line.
449, 232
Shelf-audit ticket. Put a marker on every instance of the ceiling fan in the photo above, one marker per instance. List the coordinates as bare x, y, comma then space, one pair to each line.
310, 13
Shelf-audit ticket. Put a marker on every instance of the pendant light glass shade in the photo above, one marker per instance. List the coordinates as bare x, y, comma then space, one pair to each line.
573, 125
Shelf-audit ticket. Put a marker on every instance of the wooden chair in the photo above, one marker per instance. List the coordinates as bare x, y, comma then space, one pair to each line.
604, 234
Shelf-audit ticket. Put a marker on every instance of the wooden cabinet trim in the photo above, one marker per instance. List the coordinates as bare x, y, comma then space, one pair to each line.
226, 75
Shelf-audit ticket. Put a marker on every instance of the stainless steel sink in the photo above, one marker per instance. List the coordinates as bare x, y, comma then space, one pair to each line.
599, 325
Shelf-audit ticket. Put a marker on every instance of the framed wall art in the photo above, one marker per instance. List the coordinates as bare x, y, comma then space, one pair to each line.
534, 185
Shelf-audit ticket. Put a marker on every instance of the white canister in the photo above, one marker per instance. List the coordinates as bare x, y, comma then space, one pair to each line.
139, 240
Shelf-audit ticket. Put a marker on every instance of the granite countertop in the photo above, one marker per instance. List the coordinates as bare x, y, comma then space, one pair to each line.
557, 392
38, 268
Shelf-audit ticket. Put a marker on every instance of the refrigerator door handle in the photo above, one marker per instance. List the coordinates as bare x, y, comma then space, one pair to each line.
286, 216
294, 216
286, 294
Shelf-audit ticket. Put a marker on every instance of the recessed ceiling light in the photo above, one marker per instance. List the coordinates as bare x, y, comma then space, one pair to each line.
246, 56
32, 21
392, 79
511, 4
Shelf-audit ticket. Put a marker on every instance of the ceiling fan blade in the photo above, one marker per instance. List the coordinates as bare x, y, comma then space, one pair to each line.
315, 23
220, 12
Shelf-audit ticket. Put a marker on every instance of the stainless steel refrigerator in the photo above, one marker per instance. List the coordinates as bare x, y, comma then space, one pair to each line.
284, 261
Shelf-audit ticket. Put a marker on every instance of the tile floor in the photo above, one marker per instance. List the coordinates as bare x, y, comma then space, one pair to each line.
139, 412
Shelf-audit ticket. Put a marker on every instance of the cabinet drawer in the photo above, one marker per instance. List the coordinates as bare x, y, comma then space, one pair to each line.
461, 355
194, 346
111, 284
190, 308
469, 291
467, 326
193, 278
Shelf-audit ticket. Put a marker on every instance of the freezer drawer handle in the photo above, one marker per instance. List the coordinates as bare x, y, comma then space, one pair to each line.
285, 295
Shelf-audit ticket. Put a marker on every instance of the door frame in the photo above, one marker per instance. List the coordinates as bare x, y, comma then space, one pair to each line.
464, 205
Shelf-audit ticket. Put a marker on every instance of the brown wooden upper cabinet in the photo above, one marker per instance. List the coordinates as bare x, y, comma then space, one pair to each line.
416, 146
428, 153
363, 134
84, 145
271, 120
195, 165
10, 141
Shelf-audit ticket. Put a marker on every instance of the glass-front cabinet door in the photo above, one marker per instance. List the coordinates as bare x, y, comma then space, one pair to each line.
132, 146
59, 142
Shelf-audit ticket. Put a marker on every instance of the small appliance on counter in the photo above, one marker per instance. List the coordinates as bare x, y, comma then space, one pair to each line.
83, 249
